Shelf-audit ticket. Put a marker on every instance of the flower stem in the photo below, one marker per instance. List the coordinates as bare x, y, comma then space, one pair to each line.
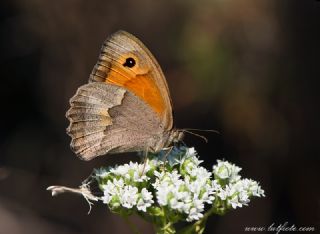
199, 226
164, 226
166, 229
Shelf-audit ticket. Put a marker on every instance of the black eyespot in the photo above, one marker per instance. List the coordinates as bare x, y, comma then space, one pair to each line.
130, 62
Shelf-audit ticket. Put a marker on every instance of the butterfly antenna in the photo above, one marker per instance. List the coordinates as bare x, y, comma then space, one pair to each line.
202, 130
195, 134
184, 144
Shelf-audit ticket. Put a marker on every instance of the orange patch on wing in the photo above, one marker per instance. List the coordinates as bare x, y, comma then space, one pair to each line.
142, 86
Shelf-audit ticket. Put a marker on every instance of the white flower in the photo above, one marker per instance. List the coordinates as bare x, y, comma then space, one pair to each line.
119, 183
162, 192
195, 211
106, 197
145, 200
194, 187
101, 172
234, 202
138, 177
192, 165
175, 204
110, 190
132, 171
120, 170
222, 194
181, 185
109, 187
243, 197
128, 196
215, 186
191, 152
237, 194
140, 172
159, 174
208, 196
226, 170
253, 188
185, 195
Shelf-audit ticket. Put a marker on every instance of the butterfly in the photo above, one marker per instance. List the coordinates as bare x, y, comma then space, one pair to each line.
126, 105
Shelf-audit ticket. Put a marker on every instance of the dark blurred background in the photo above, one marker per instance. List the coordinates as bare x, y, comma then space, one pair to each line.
248, 69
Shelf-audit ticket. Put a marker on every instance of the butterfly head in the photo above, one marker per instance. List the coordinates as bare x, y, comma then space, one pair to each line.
176, 136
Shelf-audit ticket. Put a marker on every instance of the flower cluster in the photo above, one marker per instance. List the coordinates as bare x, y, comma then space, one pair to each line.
174, 185
125, 186
236, 191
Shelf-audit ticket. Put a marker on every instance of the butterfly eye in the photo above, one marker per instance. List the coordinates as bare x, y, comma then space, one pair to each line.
130, 62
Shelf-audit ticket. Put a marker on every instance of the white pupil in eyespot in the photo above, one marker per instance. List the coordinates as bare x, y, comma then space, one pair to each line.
130, 62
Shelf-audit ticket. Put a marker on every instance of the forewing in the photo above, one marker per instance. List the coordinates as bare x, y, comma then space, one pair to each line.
145, 79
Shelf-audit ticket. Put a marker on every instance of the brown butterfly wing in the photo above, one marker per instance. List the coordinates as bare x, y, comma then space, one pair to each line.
145, 79
106, 118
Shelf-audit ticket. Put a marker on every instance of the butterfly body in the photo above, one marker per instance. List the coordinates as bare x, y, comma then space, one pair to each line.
125, 107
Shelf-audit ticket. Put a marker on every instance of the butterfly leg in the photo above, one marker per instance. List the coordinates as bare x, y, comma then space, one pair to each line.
169, 149
145, 159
